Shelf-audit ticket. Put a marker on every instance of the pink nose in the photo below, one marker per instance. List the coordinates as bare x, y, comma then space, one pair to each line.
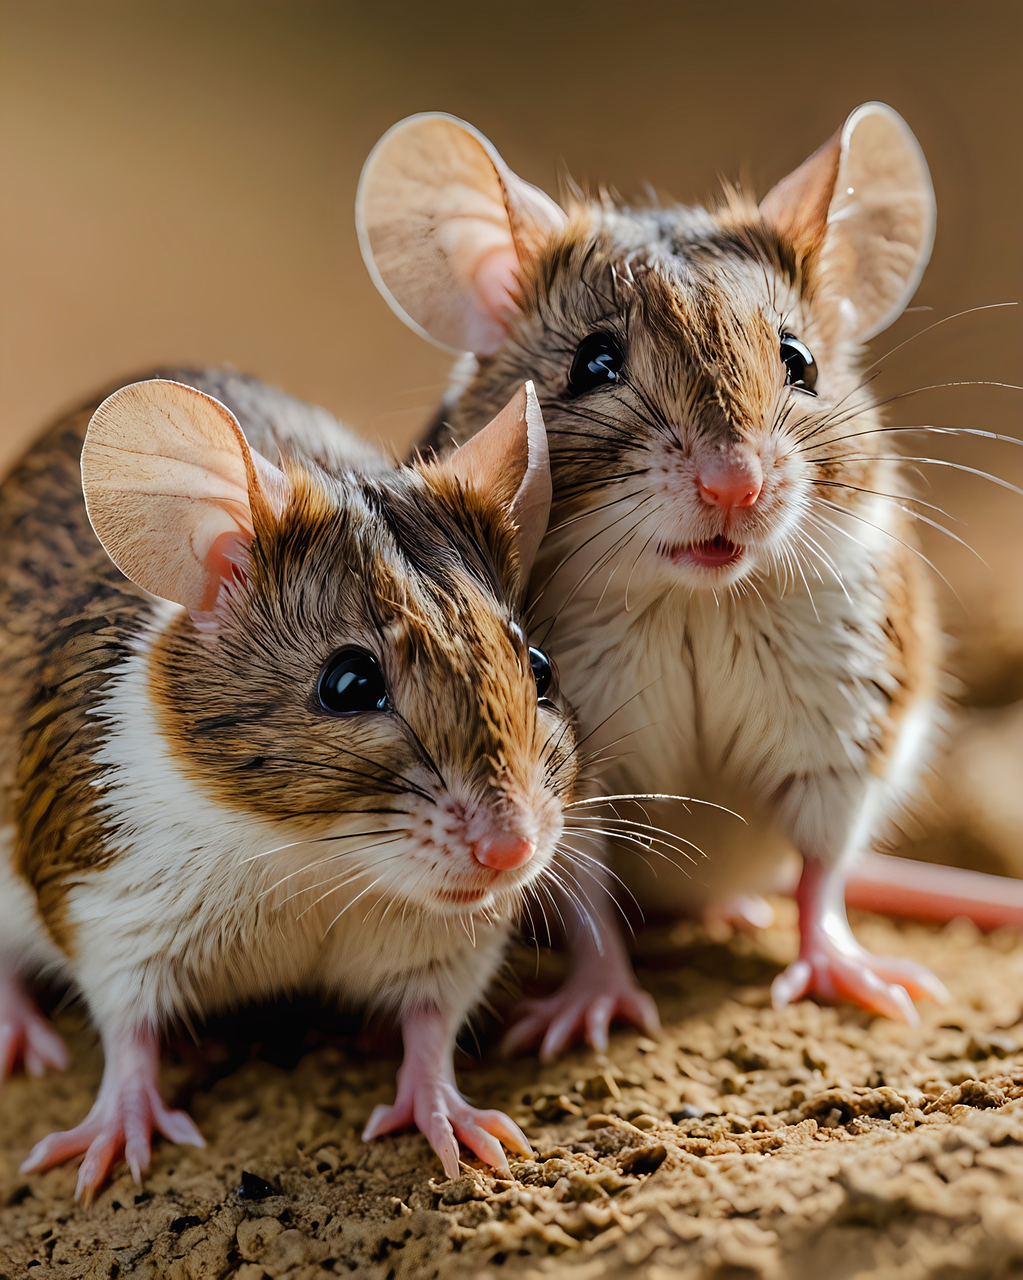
503, 851
732, 482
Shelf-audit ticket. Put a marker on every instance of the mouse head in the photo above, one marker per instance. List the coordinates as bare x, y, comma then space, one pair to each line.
697, 369
349, 665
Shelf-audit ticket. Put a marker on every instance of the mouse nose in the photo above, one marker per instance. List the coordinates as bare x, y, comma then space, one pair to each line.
503, 850
730, 482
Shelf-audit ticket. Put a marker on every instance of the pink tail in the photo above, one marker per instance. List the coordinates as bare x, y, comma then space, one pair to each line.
926, 891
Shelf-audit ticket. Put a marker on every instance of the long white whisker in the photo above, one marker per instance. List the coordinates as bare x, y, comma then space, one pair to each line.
990, 306
651, 795
934, 462
909, 547
351, 904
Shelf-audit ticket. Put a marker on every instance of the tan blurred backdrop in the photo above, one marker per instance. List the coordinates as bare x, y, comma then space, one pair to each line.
178, 181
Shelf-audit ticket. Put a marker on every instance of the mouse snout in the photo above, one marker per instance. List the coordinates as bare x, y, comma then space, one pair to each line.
729, 480
503, 850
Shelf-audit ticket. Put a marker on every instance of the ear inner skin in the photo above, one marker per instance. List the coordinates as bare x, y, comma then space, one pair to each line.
169, 481
496, 282
228, 558
508, 460
861, 212
446, 228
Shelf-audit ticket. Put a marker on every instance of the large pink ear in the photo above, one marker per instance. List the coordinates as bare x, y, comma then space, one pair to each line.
508, 463
445, 228
862, 208
170, 483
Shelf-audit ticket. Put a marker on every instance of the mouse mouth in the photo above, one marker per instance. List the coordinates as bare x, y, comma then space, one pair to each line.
461, 897
712, 553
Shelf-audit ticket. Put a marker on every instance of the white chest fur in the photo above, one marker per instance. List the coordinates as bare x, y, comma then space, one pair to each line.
776, 690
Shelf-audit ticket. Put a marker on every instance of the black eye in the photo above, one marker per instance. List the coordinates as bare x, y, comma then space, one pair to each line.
598, 362
541, 667
352, 682
800, 366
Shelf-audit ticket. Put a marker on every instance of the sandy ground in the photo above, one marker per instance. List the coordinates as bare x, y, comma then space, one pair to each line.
813, 1142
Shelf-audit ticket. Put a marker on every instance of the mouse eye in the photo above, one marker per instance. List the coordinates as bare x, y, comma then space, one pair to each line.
541, 668
800, 366
352, 682
598, 362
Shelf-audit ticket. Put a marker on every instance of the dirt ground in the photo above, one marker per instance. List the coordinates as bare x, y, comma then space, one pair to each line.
813, 1142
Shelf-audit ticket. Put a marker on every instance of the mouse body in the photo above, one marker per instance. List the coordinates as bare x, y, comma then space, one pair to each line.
269, 707
731, 579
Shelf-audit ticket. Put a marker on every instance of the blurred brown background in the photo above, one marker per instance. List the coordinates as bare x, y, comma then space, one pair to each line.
178, 182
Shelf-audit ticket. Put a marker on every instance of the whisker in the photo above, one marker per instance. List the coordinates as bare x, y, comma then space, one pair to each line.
598, 864
651, 795
934, 462
876, 493
936, 429
351, 904
990, 306
916, 515
870, 524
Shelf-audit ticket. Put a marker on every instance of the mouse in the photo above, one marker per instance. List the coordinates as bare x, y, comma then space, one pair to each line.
731, 580
271, 725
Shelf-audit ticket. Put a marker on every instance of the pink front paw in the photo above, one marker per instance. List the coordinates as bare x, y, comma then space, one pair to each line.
127, 1112
583, 1007
25, 1035
439, 1111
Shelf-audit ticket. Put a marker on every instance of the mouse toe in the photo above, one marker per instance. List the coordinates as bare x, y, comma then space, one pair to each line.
26, 1037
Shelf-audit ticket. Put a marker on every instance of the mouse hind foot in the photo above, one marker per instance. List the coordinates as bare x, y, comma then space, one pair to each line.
832, 966
127, 1112
26, 1038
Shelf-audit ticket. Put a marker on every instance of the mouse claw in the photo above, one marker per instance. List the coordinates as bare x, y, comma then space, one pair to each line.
832, 966
841, 971
444, 1117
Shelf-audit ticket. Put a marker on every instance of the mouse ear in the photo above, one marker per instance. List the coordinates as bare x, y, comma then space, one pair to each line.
508, 461
862, 208
170, 486
445, 228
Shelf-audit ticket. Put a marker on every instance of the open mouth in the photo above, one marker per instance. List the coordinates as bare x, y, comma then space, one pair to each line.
713, 553
461, 897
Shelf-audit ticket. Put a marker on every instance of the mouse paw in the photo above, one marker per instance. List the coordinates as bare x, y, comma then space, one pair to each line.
843, 972
126, 1114
584, 1006
438, 1110
26, 1037
743, 911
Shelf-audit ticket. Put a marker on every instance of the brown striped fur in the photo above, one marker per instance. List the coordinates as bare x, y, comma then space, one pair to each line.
406, 564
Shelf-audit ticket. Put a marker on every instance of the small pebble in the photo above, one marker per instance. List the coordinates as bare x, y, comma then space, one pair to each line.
254, 1188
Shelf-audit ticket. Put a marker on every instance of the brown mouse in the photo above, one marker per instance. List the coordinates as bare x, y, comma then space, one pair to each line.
731, 580
270, 724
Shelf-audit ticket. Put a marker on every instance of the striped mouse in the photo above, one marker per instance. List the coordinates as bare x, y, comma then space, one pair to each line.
268, 708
